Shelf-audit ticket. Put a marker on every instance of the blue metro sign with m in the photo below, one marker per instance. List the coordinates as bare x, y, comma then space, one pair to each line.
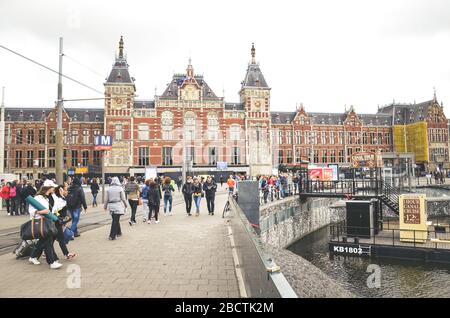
103, 142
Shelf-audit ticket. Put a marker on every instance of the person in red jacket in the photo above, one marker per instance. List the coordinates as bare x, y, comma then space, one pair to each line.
5, 194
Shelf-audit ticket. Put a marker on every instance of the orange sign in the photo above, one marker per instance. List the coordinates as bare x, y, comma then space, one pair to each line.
321, 174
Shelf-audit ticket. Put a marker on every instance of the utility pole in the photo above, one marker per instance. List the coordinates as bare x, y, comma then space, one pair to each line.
59, 160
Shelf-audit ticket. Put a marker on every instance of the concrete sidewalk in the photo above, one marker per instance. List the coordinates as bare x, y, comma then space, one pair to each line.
179, 257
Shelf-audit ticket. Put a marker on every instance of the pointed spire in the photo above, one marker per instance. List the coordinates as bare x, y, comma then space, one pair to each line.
121, 47
434, 96
253, 53
190, 69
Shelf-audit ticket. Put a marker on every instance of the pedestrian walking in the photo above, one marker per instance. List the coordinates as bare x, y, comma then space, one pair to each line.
210, 187
221, 181
231, 184
60, 210
144, 197
187, 194
154, 200
21, 190
14, 197
116, 204
94, 190
197, 193
167, 189
5, 194
75, 201
45, 244
179, 183
133, 192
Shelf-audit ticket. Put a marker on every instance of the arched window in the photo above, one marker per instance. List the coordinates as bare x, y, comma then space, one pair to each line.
235, 132
167, 125
189, 125
213, 126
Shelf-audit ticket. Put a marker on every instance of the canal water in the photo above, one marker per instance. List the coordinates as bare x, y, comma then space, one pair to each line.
398, 278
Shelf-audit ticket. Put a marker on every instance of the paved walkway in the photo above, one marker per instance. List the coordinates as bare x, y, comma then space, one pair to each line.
179, 257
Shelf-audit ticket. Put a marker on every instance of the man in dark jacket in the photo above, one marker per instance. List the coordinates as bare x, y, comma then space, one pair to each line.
75, 200
210, 188
187, 193
22, 194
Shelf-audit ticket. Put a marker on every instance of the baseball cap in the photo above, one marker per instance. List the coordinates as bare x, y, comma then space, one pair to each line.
49, 183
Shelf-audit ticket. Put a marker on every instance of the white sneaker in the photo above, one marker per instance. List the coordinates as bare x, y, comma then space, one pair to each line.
149, 222
171, 213
9, 214
156, 222
55, 265
34, 261
165, 214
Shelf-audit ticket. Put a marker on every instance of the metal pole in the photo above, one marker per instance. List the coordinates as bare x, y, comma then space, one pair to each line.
59, 160
2, 138
103, 176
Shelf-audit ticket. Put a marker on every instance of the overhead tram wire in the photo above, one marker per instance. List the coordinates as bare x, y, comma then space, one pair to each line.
50, 69
84, 65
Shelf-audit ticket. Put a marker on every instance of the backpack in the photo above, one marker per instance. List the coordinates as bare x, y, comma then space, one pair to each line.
167, 190
72, 199
12, 192
144, 192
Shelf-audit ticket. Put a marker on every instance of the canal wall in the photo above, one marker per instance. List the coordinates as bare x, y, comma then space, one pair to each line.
283, 223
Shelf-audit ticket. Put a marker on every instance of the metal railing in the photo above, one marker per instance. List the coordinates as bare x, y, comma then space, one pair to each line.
274, 193
339, 233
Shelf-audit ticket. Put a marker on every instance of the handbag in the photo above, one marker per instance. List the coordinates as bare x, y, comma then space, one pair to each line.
38, 229
68, 235
139, 201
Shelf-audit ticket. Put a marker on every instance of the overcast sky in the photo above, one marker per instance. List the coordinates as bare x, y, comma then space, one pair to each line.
325, 54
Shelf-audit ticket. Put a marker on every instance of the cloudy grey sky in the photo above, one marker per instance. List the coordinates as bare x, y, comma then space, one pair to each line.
326, 54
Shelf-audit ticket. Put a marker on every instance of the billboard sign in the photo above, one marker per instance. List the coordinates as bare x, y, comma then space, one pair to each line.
364, 159
150, 172
222, 165
335, 169
102, 142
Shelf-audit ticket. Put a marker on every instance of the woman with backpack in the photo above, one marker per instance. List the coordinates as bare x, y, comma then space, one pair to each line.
44, 197
167, 189
154, 199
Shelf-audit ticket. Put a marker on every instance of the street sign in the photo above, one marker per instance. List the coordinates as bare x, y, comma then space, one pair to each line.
222, 165
103, 142
81, 170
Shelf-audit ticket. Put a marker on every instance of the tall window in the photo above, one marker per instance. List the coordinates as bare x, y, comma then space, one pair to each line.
316, 156
235, 132
6, 159
212, 156
333, 156
74, 140
298, 137
307, 137
235, 156
118, 129
213, 126
85, 158
19, 136
42, 136
341, 156
65, 157
324, 156
314, 137
167, 156
41, 158
30, 157
66, 140
380, 138
372, 138
341, 137
298, 156
51, 158
349, 153
289, 156
190, 155
280, 156
74, 158
365, 138
280, 137
167, 125
30, 136
18, 158
189, 125
97, 158
332, 140
52, 136
289, 137
85, 136
387, 137
143, 132
144, 159
324, 138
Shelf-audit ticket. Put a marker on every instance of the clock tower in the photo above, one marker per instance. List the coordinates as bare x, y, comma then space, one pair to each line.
119, 99
255, 96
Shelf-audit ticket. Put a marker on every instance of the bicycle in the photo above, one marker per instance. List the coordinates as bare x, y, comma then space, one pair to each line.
227, 207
